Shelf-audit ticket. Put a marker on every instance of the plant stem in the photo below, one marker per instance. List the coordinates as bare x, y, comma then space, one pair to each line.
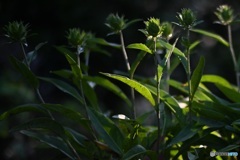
189, 77
167, 76
233, 56
130, 75
81, 85
36, 89
158, 96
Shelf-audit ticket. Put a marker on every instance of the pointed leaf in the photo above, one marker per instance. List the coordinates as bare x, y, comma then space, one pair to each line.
65, 87
134, 152
212, 35
181, 55
25, 71
90, 95
52, 141
184, 134
108, 85
21, 109
135, 85
229, 148
136, 62
105, 127
196, 76
140, 46
42, 123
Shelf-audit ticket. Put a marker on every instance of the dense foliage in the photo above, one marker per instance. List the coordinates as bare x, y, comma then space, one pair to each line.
187, 125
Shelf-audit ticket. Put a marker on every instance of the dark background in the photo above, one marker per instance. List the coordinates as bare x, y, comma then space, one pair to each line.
50, 19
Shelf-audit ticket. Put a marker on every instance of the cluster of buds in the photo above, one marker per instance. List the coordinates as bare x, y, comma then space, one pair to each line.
17, 31
186, 19
224, 14
116, 23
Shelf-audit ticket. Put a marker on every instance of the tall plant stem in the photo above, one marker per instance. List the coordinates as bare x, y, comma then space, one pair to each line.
81, 85
167, 76
130, 75
36, 89
189, 77
233, 56
158, 96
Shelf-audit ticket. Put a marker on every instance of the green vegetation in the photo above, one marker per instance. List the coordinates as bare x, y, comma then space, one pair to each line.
189, 125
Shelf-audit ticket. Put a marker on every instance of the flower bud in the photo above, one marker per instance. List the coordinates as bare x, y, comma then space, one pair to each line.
167, 30
153, 28
75, 37
115, 23
17, 31
186, 19
224, 14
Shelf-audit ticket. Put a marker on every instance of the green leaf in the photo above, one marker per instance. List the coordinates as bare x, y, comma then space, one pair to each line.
185, 133
229, 148
52, 141
180, 54
144, 91
104, 42
223, 85
196, 76
25, 71
170, 101
107, 130
212, 35
90, 95
136, 62
21, 109
134, 152
33, 54
65, 87
42, 123
131, 22
74, 66
163, 62
108, 85
140, 46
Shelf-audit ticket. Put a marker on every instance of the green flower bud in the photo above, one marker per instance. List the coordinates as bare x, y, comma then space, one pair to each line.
167, 30
224, 14
115, 23
153, 28
17, 31
186, 19
76, 37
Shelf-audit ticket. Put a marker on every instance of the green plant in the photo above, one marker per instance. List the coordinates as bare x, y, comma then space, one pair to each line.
206, 122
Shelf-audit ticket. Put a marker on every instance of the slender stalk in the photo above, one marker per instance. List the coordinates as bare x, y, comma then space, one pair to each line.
167, 76
189, 77
81, 85
73, 150
158, 96
233, 56
130, 75
36, 89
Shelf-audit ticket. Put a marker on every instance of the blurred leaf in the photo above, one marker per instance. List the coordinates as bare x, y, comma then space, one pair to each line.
33, 54
107, 130
134, 152
140, 46
196, 76
21, 109
52, 141
184, 134
212, 35
25, 71
131, 22
192, 156
79, 138
136, 62
65, 87
104, 42
180, 54
42, 123
229, 148
135, 85
170, 101
193, 45
108, 85
90, 95
223, 85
